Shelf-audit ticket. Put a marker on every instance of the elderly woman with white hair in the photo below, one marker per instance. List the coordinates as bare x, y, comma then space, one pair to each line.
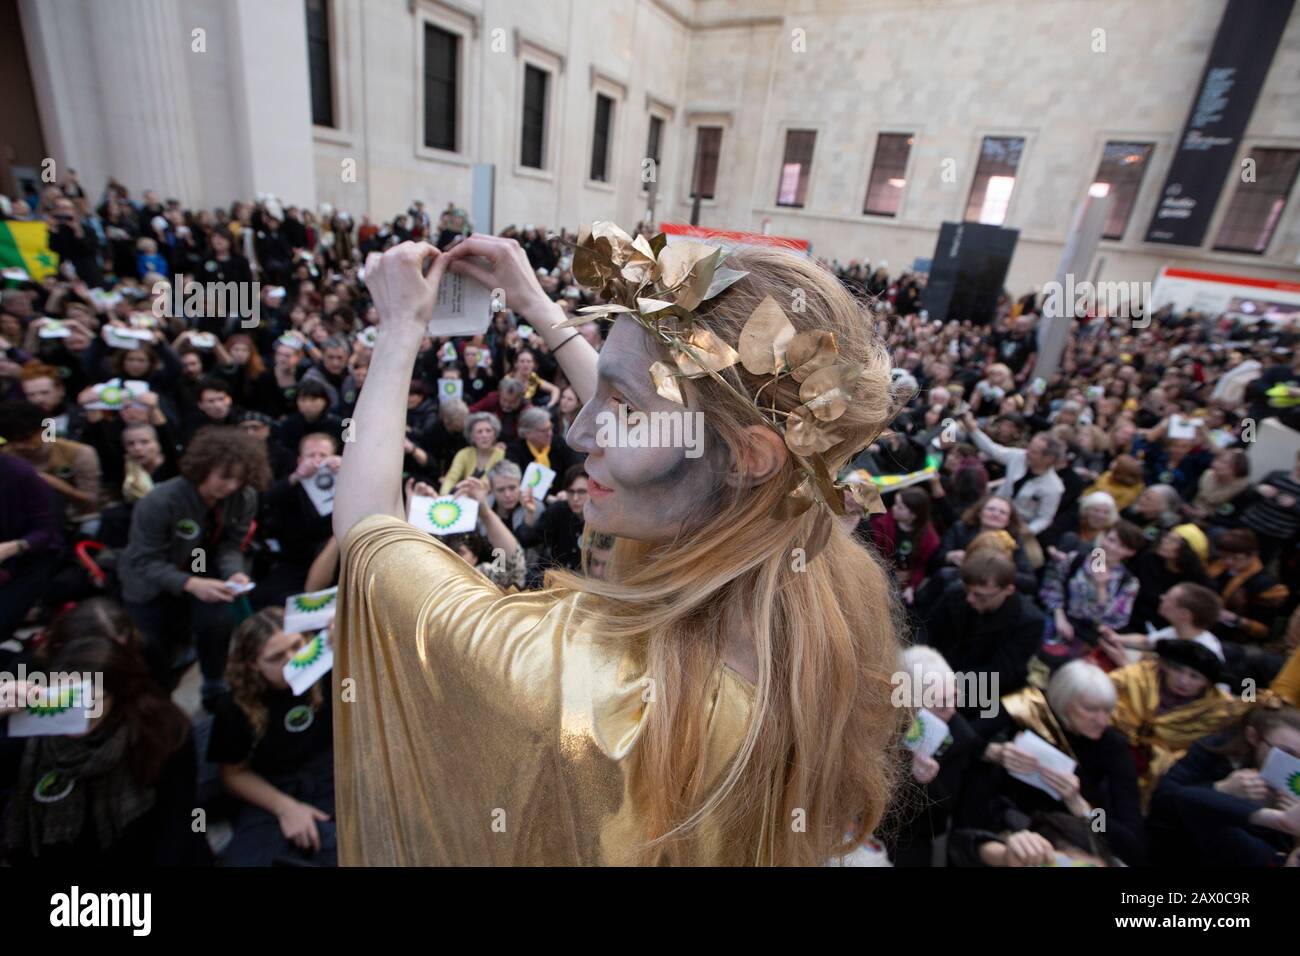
927, 680
1097, 514
1074, 716
1157, 510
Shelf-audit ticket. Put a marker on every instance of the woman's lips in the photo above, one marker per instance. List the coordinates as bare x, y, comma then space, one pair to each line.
596, 489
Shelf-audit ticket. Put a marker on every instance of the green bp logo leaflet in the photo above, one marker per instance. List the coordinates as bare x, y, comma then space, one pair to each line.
443, 516
57, 711
538, 480
309, 664
310, 611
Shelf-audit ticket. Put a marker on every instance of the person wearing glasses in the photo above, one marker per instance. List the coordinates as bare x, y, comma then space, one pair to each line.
557, 529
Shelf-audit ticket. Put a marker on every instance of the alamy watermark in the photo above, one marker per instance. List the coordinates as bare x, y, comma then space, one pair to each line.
1116, 300
637, 429
962, 689
199, 300
47, 693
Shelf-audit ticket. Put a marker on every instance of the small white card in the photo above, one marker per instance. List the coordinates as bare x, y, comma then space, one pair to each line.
239, 587
310, 611
450, 389
60, 710
320, 489
1046, 755
16, 275
525, 332
927, 733
1180, 427
369, 336
1281, 771
143, 320
119, 338
310, 664
105, 299
54, 329
445, 515
114, 394
463, 307
290, 339
448, 353
537, 479
203, 340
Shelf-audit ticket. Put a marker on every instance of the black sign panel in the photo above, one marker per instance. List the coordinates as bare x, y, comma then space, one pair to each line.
1239, 60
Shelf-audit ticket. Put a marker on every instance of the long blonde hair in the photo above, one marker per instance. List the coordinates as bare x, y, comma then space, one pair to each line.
821, 744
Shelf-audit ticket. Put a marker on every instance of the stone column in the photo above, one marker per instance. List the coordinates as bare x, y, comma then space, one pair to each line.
139, 51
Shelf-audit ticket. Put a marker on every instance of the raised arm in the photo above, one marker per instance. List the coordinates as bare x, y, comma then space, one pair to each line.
370, 480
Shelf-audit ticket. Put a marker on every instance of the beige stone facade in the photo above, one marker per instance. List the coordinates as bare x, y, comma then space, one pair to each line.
1066, 75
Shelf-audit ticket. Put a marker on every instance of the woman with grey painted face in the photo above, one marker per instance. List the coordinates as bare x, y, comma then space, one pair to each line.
722, 696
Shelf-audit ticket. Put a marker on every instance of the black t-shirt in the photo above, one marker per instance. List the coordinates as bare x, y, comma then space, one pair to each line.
295, 734
1014, 351
478, 385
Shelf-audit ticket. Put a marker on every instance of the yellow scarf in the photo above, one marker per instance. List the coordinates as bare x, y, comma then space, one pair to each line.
540, 455
1164, 737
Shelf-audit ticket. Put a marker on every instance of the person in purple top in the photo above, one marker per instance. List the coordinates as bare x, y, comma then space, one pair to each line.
30, 540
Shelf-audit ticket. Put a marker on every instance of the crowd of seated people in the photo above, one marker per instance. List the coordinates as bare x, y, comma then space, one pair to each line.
1102, 547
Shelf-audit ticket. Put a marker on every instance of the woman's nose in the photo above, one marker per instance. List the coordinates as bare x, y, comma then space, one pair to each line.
580, 436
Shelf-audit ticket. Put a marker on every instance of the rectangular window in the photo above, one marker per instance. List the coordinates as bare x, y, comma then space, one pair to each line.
795, 167
318, 62
653, 145
600, 138
888, 174
533, 150
1121, 170
708, 146
1257, 206
995, 179
441, 72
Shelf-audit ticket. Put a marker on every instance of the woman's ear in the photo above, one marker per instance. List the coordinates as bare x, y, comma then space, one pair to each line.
761, 455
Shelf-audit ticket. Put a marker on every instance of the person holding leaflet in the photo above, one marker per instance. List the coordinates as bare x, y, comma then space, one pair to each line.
680, 710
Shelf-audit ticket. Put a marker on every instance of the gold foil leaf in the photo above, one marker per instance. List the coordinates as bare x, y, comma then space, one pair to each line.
829, 390
651, 306
678, 259
705, 353
595, 310
867, 495
591, 268
795, 503
809, 351
805, 436
821, 533
609, 231
722, 280
665, 378
765, 338
833, 497
641, 266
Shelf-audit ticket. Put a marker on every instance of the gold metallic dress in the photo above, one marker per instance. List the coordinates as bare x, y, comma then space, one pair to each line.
478, 728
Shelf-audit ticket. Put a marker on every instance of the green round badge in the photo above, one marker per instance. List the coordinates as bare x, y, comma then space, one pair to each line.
299, 719
52, 787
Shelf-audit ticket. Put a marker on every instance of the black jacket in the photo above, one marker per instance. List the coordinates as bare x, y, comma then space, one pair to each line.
1001, 642
559, 531
1192, 823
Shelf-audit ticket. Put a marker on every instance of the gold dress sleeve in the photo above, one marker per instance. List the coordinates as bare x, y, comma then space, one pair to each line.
479, 728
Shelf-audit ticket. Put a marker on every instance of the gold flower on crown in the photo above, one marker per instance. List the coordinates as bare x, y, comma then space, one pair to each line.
660, 285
